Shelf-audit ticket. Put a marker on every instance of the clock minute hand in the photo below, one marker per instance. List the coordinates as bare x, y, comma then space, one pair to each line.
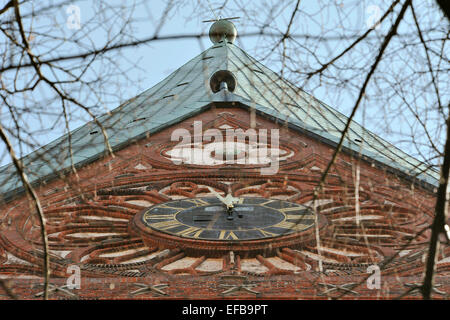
231, 201
218, 196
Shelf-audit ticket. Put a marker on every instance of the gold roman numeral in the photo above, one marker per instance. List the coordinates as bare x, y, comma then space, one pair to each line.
197, 202
160, 217
267, 202
193, 232
227, 235
165, 225
166, 206
291, 225
284, 210
266, 233
299, 216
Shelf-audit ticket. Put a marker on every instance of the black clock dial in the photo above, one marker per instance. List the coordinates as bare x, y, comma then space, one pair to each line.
206, 219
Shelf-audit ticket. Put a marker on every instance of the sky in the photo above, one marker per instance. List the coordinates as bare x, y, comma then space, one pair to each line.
158, 59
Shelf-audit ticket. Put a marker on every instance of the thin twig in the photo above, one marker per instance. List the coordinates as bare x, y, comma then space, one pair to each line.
27, 185
362, 91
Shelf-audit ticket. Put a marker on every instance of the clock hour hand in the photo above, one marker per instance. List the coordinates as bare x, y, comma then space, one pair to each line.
218, 196
228, 201
231, 201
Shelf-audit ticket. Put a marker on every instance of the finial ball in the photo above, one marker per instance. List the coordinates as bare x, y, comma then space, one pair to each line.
222, 28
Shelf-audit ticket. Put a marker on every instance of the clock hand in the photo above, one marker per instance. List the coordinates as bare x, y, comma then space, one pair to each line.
229, 201
218, 196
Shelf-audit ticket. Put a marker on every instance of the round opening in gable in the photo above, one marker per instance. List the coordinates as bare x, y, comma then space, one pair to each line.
222, 76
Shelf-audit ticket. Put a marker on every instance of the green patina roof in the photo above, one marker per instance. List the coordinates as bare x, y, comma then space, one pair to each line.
186, 92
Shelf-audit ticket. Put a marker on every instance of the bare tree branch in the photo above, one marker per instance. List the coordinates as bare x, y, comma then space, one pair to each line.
6, 7
30, 191
384, 45
347, 49
439, 219
444, 7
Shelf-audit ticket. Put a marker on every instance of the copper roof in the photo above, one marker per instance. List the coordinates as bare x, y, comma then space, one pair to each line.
187, 92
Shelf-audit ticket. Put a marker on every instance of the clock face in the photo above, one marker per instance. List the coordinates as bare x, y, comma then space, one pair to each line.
208, 219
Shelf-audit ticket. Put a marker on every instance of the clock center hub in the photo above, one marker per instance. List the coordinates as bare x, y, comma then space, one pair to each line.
214, 217
201, 226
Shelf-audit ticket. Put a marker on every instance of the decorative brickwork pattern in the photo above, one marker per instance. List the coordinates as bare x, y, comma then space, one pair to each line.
91, 223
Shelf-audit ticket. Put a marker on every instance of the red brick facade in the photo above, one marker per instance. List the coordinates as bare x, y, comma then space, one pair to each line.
90, 223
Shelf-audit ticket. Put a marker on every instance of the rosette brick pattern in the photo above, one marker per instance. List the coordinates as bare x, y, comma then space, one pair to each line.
90, 223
